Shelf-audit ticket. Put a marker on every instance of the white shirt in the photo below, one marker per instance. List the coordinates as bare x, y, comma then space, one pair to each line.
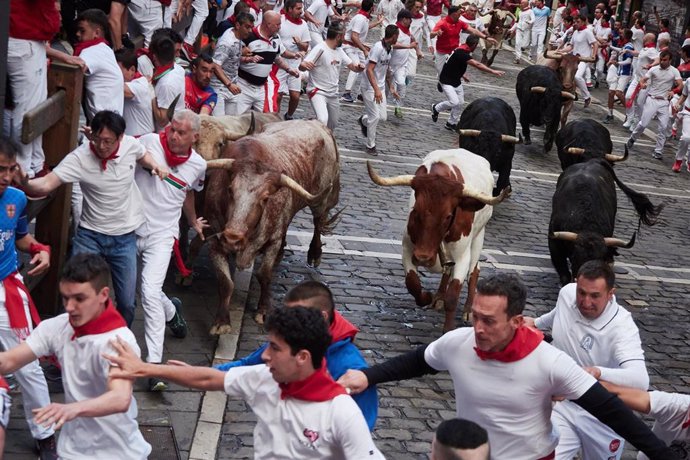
85, 376
169, 86
638, 36
112, 202
390, 10
288, 32
420, 28
558, 17
227, 55
162, 199
320, 11
582, 42
541, 17
327, 71
477, 23
646, 56
486, 392
138, 113
399, 57
103, 80
671, 414
664, 35
145, 66
381, 57
292, 429
360, 24
686, 93
526, 20
661, 81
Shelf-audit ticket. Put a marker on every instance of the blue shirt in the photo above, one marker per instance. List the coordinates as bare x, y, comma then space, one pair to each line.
623, 56
13, 225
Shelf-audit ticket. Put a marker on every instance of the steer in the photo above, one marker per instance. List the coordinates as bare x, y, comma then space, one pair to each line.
583, 216
487, 128
541, 97
265, 180
582, 140
445, 229
496, 28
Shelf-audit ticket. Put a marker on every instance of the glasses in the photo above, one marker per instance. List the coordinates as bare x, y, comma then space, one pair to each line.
9, 169
106, 142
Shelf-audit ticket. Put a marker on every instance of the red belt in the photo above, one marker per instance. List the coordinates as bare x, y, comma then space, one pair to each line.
347, 42
659, 98
551, 456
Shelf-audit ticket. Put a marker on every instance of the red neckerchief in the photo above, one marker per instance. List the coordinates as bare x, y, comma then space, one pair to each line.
137, 75
253, 6
464, 15
109, 320
143, 52
580, 28
318, 387
104, 161
231, 19
403, 29
297, 21
81, 46
170, 158
159, 72
663, 29
524, 342
364, 13
341, 328
650, 45
259, 36
464, 47
328, 2
418, 15
605, 24
14, 304
3, 384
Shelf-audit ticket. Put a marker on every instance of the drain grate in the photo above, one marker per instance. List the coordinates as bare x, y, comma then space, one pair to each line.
162, 440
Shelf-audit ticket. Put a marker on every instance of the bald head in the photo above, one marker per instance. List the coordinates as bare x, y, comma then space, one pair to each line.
663, 42
270, 25
649, 38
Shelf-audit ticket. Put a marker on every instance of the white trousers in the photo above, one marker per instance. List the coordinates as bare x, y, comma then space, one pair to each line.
537, 48
147, 16
684, 142
579, 431
200, 8
252, 97
326, 107
654, 108
635, 111
373, 113
454, 103
354, 78
399, 80
522, 40
30, 377
431, 21
154, 252
580, 79
225, 105
27, 70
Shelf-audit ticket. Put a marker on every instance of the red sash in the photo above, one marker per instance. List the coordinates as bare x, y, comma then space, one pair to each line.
14, 304
341, 328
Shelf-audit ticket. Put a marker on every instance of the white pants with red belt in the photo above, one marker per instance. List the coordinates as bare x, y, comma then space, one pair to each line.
154, 253
654, 108
30, 377
357, 56
27, 70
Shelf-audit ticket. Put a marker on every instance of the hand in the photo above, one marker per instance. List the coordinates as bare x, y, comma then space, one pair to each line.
129, 365
55, 415
42, 261
160, 171
669, 95
557, 398
294, 72
499, 73
420, 55
439, 32
20, 178
354, 380
234, 89
378, 97
593, 371
76, 60
394, 93
253, 58
199, 225
431, 50
86, 130
308, 65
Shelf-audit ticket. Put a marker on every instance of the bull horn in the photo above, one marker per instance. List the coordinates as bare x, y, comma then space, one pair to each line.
618, 243
170, 113
469, 132
468, 192
565, 236
575, 151
405, 179
553, 55
290, 183
223, 163
538, 89
252, 123
614, 158
510, 139
586, 59
568, 95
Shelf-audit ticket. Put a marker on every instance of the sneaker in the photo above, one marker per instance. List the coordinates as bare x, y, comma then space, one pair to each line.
676, 165
157, 384
398, 112
177, 325
608, 119
188, 51
587, 102
632, 125
347, 97
657, 156
627, 122
288, 117
589, 84
372, 151
434, 113
450, 127
630, 143
362, 126
360, 98
47, 448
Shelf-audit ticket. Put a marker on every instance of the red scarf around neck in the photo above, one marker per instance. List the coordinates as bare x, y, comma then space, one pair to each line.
466, 16
403, 29
143, 52
3, 384
524, 342
650, 45
160, 71
364, 13
318, 387
104, 161
81, 46
297, 21
341, 329
14, 304
580, 28
253, 6
110, 319
171, 158
418, 15
464, 47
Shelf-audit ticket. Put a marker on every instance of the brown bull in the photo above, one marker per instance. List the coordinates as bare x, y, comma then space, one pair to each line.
496, 28
263, 182
217, 132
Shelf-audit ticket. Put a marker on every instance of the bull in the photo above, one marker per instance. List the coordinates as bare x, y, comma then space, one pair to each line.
217, 132
583, 216
263, 181
541, 97
582, 140
487, 128
498, 24
450, 205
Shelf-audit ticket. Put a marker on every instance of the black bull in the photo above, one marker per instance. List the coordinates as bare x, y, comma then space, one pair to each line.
487, 128
583, 216
541, 97
582, 140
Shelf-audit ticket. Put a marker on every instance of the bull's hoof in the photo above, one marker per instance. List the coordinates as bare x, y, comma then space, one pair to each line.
425, 300
485, 61
527, 141
314, 261
260, 317
220, 329
438, 303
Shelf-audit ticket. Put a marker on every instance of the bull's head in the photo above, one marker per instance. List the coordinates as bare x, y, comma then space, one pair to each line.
443, 209
586, 154
214, 137
550, 107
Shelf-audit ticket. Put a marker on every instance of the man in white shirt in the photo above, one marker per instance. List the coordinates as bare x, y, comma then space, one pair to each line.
660, 81
294, 33
302, 413
523, 29
389, 9
601, 336
163, 202
472, 19
419, 28
317, 13
323, 64
168, 80
541, 22
400, 57
635, 96
104, 167
584, 45
137, 111
374, 85
98, 418
682, 108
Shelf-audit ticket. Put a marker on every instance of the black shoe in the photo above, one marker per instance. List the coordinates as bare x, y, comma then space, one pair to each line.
434, 113
608, 119
157, 385
360, 98
439, 87
372, 151
127, 42
47, 448
630, 143
362, 126
177, 325
451, 127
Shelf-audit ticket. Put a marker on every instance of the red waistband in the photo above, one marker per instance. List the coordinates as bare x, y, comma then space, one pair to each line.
551, 456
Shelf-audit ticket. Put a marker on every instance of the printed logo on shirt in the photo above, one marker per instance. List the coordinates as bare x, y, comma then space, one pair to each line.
4, 237
11, 210
311, 435
615, 445
587, 342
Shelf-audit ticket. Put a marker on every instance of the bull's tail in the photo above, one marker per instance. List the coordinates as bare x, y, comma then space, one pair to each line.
645, 209
329, 225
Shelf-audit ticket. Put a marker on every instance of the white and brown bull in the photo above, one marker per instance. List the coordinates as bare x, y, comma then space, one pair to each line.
450, 206
263, 181
217, 132
498, 22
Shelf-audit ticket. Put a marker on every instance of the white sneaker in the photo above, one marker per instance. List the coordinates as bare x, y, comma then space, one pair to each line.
627, 123
633, 125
